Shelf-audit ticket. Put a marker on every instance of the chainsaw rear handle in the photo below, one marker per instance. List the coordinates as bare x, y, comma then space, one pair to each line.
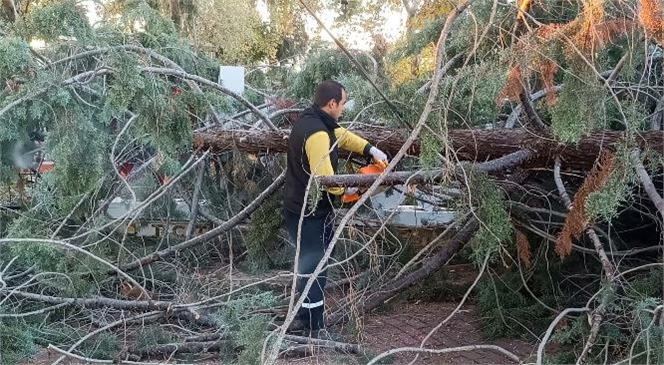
352, 198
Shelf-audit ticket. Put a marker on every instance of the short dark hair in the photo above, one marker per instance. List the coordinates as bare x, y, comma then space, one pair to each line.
326, 91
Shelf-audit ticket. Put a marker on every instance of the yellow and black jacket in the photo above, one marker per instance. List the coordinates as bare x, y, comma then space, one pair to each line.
312, 148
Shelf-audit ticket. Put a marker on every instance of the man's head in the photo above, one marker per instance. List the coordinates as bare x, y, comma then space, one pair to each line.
330, 96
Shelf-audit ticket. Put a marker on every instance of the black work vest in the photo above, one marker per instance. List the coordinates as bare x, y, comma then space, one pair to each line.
310, 121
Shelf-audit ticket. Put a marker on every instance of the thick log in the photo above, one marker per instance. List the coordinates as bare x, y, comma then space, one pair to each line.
469, 144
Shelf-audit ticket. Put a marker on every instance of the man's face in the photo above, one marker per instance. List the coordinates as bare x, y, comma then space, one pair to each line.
335, 109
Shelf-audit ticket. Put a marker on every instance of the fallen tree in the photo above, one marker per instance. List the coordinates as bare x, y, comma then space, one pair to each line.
467, 144
113, 116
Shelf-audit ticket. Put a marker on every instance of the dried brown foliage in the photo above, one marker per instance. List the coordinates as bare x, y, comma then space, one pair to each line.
523, 248
593, 12
651, 15
604, 33
513, 86
548, 70
576, 221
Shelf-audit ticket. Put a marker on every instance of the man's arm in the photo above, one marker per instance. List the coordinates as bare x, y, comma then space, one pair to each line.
317, 147
354, 143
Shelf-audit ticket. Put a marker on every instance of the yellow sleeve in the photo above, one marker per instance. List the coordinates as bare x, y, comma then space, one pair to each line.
351, 141
317, 147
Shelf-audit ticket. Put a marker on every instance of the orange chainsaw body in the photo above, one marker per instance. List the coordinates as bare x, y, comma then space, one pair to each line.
377, 167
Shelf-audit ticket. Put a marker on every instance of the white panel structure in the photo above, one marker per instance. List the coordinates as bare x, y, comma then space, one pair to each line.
232, 78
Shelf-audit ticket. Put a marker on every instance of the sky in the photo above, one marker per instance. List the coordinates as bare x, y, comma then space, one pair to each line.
391, 30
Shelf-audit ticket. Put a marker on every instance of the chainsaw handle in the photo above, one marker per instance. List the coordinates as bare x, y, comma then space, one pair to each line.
382, 164
352, 198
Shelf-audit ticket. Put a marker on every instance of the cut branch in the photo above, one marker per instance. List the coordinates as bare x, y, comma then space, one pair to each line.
93, 303
341, 346
412, 177
531, 114
178, 348
447, 251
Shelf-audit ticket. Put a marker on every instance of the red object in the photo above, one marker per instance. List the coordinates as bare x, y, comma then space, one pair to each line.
46, 166
375, 168
125, 169
350, 198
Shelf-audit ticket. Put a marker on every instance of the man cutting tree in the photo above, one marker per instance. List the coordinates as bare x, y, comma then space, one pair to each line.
312, 149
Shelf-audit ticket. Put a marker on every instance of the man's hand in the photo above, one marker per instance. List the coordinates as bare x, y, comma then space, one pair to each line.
350, 190
350, 195
377, 154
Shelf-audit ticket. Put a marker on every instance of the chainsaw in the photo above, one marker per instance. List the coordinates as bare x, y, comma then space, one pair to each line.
373, 167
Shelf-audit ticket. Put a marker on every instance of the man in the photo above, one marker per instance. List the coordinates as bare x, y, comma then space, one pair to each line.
312, 149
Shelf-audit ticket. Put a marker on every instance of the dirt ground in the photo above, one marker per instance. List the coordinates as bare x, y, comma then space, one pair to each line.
407, 324
402, 324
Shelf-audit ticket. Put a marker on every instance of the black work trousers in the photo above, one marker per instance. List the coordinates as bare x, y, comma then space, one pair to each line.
315, 238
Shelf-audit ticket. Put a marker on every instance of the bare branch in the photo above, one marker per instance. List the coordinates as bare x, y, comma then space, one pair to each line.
114, 269
552, 326
648, 186
244, 213
120, 322
413, 177
342, 346
97, 361
194, 201
101, 302
446, 351
179, 348
213, 85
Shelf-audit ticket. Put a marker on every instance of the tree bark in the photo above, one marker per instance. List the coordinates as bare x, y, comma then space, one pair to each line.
177, 348
469, 144
412, 177
100, 302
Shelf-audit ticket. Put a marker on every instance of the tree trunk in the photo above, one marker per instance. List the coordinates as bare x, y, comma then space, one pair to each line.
469, 144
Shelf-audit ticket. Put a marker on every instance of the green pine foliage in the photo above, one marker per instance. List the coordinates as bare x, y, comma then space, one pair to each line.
15, 59
49, 21
469, 95
496, 228
262, 238
16, 342
579, 109
153, 335
323, 64
505, 308
104, 346
430, 148
248, 330
606, 202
